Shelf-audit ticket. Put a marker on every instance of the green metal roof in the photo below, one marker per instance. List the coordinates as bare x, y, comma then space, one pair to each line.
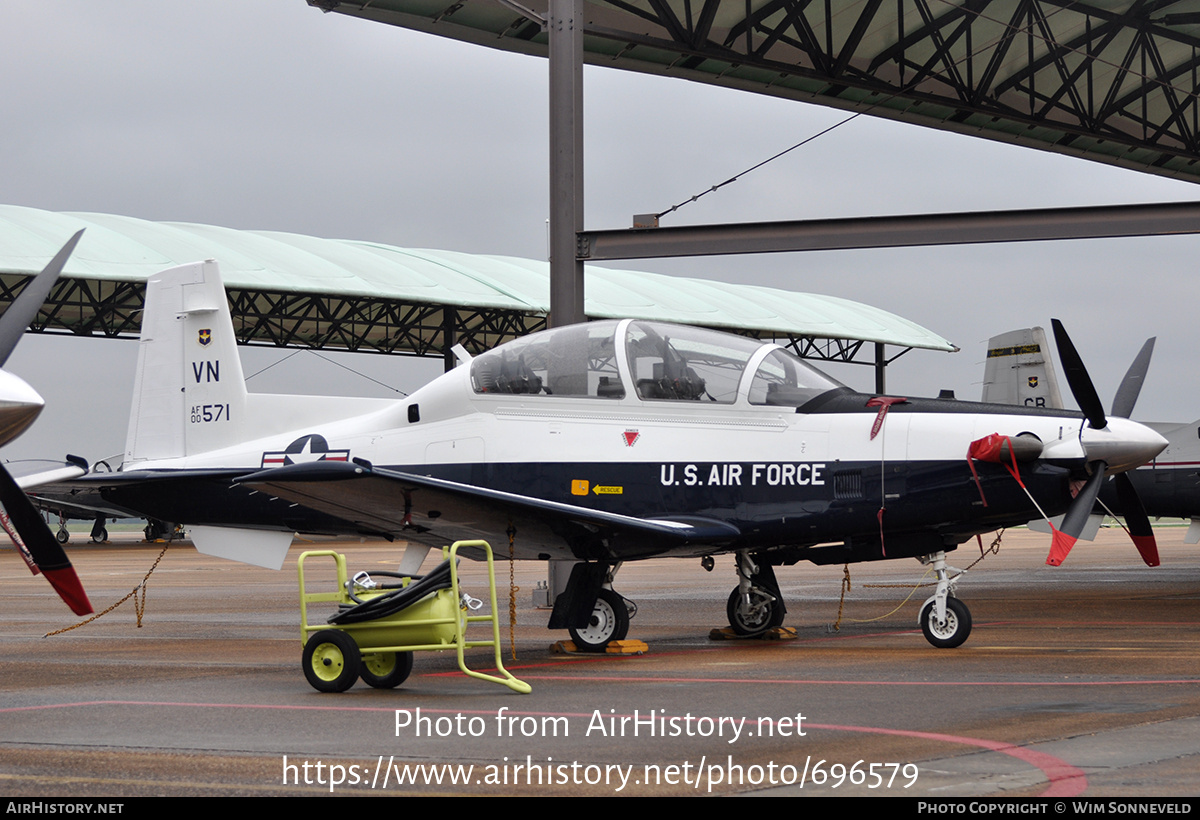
118, 249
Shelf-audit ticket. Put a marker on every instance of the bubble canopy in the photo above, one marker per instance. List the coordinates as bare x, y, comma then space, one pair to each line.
648, 361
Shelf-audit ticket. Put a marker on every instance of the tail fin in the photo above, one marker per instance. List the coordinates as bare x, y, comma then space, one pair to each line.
189, 393
1019, 370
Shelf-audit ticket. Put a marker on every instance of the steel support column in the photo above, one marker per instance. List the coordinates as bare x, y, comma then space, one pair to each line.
565, 24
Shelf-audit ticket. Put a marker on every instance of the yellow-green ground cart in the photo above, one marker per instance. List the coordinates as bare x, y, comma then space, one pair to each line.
377, 629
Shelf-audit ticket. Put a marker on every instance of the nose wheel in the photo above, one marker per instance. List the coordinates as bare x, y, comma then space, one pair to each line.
754, 613
945, 620
950, 631
755, 605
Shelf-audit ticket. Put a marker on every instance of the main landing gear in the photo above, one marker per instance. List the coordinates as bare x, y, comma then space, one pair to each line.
609, 621
944, 619
589, 608
755, 605
99, 530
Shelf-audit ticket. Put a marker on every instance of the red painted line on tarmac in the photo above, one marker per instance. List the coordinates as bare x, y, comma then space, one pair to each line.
1064, 780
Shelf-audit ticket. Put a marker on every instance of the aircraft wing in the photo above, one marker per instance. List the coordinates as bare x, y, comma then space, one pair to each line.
47, 483
31, 474
438, 511
84, 497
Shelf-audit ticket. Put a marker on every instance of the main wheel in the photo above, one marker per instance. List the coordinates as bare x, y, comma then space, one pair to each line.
62, 536
951, 632
331, 661
100, 537
386, 670
766, 612
609, 621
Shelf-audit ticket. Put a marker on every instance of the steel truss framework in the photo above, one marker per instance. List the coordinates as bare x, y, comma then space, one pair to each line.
110, 309
1111, 80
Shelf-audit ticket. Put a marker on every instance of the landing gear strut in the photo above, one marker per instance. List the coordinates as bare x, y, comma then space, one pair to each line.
944, 619
755, 605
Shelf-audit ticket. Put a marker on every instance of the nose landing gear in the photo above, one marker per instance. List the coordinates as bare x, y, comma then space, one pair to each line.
944, 619
755, 605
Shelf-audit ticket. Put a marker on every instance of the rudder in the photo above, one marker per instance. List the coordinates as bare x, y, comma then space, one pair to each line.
189, 390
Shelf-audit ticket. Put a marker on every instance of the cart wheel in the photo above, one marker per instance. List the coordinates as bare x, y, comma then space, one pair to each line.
331, 661
386, 670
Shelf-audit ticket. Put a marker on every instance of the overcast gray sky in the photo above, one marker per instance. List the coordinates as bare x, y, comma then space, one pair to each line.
272, 115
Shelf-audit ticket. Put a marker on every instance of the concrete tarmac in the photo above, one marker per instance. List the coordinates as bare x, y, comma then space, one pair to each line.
1077, 680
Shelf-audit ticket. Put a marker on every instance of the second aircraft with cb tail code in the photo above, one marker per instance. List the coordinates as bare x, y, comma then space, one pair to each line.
605, 442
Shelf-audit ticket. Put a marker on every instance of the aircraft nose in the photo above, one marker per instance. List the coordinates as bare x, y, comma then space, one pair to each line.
1123, 444
19, 406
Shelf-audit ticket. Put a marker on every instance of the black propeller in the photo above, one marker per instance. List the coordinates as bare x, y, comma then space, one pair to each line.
1089, 402
1131, 385
20, 313
1076, 518
1077, 377
17, 515
38, 546
1136, 520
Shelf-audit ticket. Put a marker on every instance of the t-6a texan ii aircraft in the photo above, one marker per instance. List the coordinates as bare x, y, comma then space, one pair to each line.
603, 442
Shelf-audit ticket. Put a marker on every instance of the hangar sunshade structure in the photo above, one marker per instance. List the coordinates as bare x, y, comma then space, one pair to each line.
1113, 81
1110, 80
288, 290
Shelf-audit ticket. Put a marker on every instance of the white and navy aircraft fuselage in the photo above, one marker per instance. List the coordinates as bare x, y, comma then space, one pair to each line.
738, 490
604, 442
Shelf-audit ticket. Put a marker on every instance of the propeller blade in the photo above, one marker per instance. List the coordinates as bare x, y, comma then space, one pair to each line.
1131, 385
1077, 377
1076, 518
20, 313
1136, 519
37, 545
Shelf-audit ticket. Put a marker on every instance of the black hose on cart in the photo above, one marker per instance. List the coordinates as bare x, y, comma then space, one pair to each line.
397, 599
